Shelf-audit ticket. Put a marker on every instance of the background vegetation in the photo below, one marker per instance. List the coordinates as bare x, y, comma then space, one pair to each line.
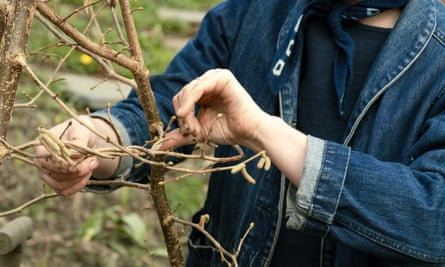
152, 31
115, 229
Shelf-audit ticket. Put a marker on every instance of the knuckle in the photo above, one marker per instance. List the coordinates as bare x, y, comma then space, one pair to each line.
64, 193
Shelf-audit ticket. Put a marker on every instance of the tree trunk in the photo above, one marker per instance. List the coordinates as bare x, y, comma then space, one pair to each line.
15, 23
148, 104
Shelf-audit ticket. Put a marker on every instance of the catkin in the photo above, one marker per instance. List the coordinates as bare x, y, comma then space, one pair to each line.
49, 144
237, 168
261, 163
247, 176
267, 164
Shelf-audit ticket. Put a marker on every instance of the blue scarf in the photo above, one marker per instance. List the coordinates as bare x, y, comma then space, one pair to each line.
336, 13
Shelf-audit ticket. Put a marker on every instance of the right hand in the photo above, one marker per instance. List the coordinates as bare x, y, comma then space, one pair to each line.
217, 92
57, 173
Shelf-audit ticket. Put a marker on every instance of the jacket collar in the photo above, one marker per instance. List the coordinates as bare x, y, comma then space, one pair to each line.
412, 32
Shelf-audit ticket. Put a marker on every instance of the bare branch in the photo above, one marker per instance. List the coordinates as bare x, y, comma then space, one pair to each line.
101, 61
28, 204
84, 41
120, 182
77, 10
116, 23
229, 258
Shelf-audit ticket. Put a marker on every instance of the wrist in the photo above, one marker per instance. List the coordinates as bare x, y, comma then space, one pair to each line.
107, 166
257, 141
285, 145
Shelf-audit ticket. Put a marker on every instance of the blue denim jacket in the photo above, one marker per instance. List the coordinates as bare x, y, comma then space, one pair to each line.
378, 199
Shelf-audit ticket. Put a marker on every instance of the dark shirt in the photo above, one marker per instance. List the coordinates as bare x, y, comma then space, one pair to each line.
318, 114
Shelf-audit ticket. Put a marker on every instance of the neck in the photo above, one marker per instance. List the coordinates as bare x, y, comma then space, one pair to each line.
387, 19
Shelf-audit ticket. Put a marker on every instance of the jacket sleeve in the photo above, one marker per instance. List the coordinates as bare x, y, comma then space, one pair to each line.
389, 209
209, 49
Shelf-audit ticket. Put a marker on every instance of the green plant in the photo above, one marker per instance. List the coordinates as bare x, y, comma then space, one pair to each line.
114, 224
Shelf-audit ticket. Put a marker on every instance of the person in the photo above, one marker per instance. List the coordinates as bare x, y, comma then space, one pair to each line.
349, 107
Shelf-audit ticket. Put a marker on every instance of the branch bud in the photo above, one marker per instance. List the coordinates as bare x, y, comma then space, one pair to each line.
203, 220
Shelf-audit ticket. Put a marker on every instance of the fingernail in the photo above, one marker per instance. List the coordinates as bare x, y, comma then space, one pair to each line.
94, 163
185, 130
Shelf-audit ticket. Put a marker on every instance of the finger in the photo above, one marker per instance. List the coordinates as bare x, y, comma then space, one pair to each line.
40, 150
184, 102
213, 83
175, 138
82, 168
185, 110
52, 164
75, 187
190, 126
64, 187
79, 135
51, 173
54, 182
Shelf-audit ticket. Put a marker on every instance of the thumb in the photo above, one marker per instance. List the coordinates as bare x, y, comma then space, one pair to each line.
175, 138
80, 135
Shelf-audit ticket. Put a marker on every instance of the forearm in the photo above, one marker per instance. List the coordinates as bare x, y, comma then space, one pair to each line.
107, 167
285, 146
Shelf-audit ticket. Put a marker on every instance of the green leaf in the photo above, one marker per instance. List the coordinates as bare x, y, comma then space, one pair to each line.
135, 228
119, 248
92, 227
159, 252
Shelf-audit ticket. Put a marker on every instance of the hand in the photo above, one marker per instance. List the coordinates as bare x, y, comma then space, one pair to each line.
68, 175
227, 113
242, 122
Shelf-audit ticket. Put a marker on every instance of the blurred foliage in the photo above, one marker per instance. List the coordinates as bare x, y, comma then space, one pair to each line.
186, 196
187, 4
27, 90
115, 219
151, 30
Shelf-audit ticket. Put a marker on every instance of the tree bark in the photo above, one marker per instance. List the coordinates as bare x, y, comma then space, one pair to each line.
15, 24
148, 103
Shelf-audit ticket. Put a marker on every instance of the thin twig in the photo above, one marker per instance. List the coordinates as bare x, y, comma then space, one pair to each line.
84, 41
118, 26
120, 182
28, 204
226, 256
77, 10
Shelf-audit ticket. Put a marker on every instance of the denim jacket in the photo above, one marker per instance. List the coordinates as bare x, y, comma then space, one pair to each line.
377, 199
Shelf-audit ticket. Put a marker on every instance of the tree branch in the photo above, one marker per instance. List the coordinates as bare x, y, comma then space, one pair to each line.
84, 41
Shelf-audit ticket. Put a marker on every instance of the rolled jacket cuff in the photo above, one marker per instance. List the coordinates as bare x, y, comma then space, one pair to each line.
312, 205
